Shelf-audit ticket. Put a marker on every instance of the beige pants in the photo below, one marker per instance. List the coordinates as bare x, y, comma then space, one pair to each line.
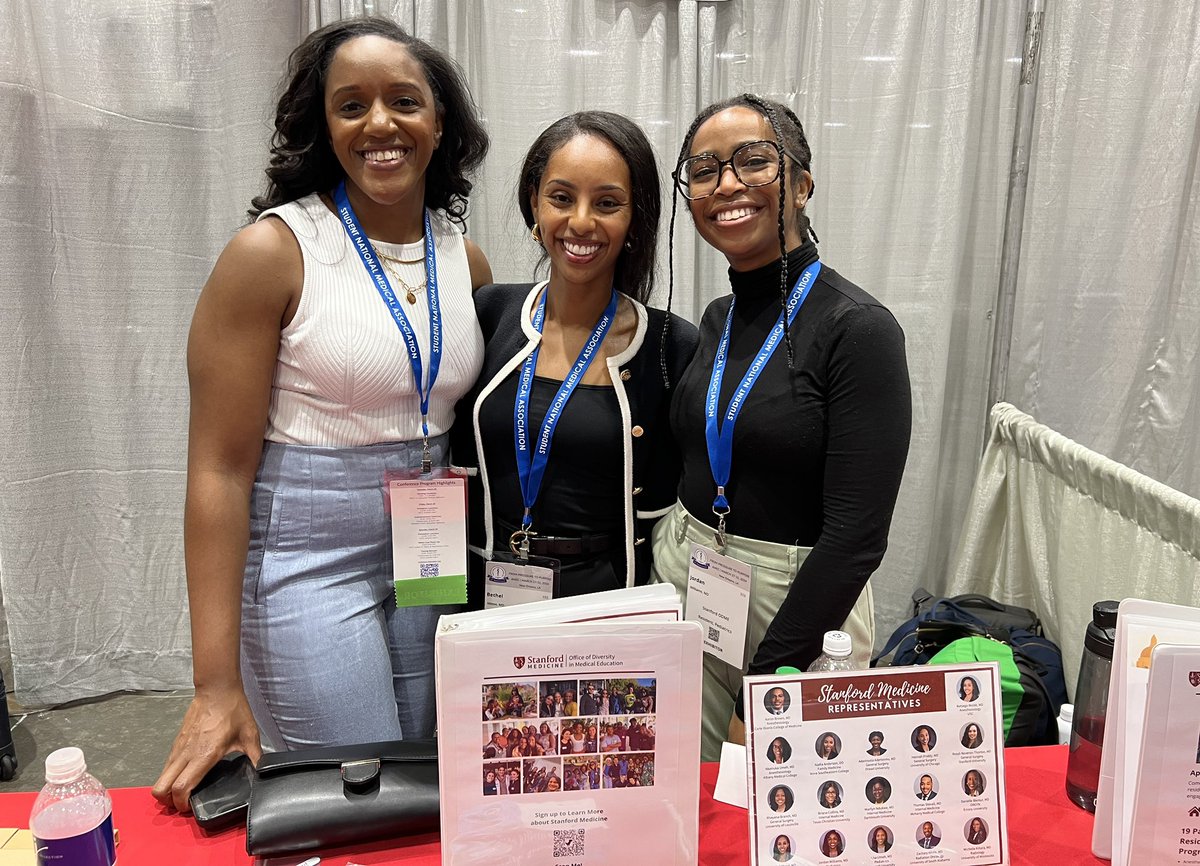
772, 568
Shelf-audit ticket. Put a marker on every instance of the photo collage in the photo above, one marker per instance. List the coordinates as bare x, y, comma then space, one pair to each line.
865, 785
552, 735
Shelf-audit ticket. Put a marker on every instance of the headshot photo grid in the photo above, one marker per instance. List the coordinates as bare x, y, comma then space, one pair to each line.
904, 794
548, 735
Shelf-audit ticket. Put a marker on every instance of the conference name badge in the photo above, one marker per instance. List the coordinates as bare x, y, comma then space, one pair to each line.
718, 597
515, 580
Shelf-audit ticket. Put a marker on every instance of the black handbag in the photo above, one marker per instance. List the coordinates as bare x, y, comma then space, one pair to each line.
342, 795
220, 800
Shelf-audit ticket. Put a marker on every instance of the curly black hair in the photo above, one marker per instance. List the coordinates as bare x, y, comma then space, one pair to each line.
302, 161
789, 132
635, 265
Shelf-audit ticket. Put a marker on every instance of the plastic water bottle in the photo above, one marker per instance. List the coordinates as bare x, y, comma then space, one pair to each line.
72, 816
835, 653
1065, 714
1091, 704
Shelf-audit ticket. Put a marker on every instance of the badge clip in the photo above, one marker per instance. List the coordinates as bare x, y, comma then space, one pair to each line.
721, 514
518, 542
426, 458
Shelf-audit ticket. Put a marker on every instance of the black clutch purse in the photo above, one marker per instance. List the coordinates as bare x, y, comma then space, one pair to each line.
220, 800
342, 795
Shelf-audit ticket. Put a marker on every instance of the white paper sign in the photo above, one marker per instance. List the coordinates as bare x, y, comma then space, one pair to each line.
718, 597
1166, 808
1140, 626
906, 762
569, 744
731, 776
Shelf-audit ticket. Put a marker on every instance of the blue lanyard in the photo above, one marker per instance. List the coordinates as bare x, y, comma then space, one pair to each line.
720, 441
371, 262
531, 462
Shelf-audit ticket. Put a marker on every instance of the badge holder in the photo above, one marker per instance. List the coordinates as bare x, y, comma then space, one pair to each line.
718, 595
516, 576
428, 510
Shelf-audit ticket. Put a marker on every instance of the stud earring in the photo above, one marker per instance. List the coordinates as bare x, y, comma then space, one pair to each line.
628, 245
537, 236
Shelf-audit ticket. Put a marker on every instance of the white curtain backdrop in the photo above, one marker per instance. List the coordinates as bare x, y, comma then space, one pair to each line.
1107, 329
138, 133
1054, 526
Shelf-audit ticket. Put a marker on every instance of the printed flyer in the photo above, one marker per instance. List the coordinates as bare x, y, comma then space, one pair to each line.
1141, 626
570, 744
1166, 809
892, 766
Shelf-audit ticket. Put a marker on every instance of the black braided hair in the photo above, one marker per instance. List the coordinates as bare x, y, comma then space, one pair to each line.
769, 110
790, 135
687, 142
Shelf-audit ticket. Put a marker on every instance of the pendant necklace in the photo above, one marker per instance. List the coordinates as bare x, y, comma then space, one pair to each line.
410, 291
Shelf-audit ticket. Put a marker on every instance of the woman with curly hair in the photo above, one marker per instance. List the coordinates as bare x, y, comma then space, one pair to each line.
308, 387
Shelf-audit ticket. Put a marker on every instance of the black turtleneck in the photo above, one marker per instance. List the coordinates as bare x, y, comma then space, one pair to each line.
818, 451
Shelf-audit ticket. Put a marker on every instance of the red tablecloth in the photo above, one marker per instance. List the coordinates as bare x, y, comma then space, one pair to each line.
1043, 826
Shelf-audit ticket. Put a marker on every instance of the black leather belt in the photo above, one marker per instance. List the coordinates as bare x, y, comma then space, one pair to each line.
561, 545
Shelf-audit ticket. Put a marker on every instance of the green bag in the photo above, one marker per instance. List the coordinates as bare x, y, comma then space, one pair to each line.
982, 649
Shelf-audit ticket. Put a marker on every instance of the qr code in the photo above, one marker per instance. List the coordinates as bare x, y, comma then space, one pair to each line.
714, 635
429, 569
568, 843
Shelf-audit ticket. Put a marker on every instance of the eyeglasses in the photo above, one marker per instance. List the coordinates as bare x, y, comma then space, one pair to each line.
755, 163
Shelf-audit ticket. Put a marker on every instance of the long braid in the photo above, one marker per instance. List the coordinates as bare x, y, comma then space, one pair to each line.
662, 348
806, 223
769, 111
662, 343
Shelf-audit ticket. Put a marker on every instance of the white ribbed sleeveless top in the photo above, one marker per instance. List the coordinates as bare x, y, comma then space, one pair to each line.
342, 377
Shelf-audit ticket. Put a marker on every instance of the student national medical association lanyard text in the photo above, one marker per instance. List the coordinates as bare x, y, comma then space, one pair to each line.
531, 462
371, 262
720, 438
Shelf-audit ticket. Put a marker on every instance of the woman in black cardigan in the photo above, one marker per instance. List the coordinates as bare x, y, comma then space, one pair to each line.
589, 193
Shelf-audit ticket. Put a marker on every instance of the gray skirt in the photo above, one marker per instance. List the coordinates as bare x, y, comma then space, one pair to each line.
326, 656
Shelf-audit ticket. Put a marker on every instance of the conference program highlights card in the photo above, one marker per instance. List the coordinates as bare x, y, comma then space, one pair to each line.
890, 766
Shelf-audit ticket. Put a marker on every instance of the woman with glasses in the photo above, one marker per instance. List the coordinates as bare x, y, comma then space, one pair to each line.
811, 370
568, 421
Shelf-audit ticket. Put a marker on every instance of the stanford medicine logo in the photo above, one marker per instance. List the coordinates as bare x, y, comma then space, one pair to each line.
1194, 678
518, 662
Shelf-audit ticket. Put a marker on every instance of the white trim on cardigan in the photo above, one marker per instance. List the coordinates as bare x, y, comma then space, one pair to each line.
614, 363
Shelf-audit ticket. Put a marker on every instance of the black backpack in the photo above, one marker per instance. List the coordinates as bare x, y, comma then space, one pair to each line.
937, 622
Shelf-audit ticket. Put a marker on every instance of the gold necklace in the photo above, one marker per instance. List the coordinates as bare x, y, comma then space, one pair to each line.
419, 258
410, 291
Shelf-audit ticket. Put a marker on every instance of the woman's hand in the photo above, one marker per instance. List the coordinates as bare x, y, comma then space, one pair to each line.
217, 722
737, 731
232, 350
